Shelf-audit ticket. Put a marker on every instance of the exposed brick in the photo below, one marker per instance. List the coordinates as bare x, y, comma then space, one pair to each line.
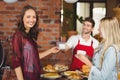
57, 21
48, 30
44, 0
1, 24
47, 21
17, 16
58, 12
1, 32
43, 8
54, 25
43, 16
14, 12
10, 8
40, 30
39, 12
13, 20
4, 12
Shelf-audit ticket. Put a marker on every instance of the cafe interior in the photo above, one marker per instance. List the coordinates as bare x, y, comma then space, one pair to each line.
58, 20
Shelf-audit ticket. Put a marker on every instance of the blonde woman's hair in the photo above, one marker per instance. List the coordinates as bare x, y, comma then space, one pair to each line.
110, 29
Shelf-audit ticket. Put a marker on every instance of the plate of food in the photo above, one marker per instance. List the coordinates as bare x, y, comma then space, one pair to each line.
55, 68
49, 68
68, 73
85, 71
51, 75
60, 67
74, 77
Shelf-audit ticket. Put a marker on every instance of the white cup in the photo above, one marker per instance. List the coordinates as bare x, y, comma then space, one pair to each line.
61, 46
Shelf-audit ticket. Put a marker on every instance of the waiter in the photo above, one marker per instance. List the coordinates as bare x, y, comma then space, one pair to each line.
82, 44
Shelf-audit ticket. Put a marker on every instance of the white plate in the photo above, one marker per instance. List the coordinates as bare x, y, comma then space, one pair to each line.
67, 73
73, 79
51, 75
84, 76
60, 67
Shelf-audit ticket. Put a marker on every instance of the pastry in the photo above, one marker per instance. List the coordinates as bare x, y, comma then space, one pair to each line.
85, 69
49, 68
74, 77
67, 73
60, 67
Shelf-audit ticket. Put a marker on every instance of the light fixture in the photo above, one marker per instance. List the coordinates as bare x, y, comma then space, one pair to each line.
10, 1
70, 1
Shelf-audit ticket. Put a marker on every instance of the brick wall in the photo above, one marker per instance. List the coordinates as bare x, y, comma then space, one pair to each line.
49, 22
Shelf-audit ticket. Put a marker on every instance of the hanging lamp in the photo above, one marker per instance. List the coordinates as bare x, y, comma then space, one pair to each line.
70, 1
10, 1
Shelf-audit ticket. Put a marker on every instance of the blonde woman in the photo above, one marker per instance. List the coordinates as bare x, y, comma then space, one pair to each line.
107, 55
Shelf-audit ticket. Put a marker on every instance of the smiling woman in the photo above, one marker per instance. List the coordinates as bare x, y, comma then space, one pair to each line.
26, 57
29, 19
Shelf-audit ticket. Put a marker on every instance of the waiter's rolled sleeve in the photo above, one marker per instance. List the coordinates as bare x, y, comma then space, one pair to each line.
71, 41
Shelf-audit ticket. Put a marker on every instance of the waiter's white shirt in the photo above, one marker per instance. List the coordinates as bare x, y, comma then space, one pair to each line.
73, 41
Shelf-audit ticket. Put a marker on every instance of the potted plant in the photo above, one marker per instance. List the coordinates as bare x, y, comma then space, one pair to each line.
63, 37
70, 18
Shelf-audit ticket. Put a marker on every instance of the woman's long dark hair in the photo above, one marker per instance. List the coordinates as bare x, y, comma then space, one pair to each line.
33, 33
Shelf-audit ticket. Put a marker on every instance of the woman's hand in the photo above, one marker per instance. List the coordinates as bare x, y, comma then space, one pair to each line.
84, 59
54, 50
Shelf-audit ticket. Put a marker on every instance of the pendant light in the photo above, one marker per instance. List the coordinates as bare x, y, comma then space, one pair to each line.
10, 1
70, 1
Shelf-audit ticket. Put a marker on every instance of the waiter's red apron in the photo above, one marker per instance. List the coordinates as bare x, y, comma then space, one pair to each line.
76, 63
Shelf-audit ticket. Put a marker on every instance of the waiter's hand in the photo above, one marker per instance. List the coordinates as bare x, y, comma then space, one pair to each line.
84, 59
81, 57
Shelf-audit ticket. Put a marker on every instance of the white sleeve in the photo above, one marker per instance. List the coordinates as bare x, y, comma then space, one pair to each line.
95, 43
71, 41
